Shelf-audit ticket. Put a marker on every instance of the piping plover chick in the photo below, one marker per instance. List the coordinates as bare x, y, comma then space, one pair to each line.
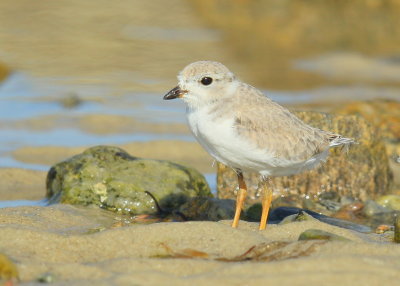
242, 128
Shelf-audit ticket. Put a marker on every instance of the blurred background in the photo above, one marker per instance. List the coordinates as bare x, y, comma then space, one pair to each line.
81, 73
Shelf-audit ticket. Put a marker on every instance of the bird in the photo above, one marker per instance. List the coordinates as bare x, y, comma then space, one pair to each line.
242, 128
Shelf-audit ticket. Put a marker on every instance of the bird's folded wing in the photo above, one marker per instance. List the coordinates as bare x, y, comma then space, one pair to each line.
271, 127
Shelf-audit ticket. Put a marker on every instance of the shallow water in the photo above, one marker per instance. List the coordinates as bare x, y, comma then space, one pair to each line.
24, 203
26, 98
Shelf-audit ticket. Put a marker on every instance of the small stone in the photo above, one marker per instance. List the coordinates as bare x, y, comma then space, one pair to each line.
301, 216
253, 213
212, 209
47, 277
350, 211
345, 200
320, 234
371, 208
383, 228
330, 205
71, 100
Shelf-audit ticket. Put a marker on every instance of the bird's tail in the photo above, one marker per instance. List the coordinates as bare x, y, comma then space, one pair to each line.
336, 140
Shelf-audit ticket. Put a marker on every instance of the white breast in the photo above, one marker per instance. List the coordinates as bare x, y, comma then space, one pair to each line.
220, 140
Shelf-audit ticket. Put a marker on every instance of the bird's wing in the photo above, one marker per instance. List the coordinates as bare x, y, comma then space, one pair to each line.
272, 127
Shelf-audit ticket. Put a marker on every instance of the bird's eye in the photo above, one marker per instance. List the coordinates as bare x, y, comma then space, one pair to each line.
206, 80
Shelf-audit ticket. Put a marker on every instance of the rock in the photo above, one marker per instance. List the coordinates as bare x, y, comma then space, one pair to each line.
46, 277
346, 200
350, 212
112, 179
71, 100
371, 208
391, 202
385, 115
320, 234
202, 208
361, 173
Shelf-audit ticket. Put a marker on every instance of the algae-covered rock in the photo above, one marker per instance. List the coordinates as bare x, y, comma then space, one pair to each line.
362, 172
112, 179
311, 234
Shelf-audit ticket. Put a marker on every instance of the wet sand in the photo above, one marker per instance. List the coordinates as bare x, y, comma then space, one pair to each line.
59, 240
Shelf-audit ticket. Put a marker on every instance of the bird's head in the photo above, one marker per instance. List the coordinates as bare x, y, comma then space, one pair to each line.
203, 82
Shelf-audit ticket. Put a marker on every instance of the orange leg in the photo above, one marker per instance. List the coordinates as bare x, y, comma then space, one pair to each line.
241, 196
266, 203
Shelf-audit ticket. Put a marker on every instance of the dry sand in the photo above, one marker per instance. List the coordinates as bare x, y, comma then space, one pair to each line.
56, 240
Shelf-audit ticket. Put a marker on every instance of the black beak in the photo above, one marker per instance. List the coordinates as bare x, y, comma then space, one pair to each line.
176, 92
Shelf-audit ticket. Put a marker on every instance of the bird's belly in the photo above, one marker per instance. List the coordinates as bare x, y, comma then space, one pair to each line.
219, 139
